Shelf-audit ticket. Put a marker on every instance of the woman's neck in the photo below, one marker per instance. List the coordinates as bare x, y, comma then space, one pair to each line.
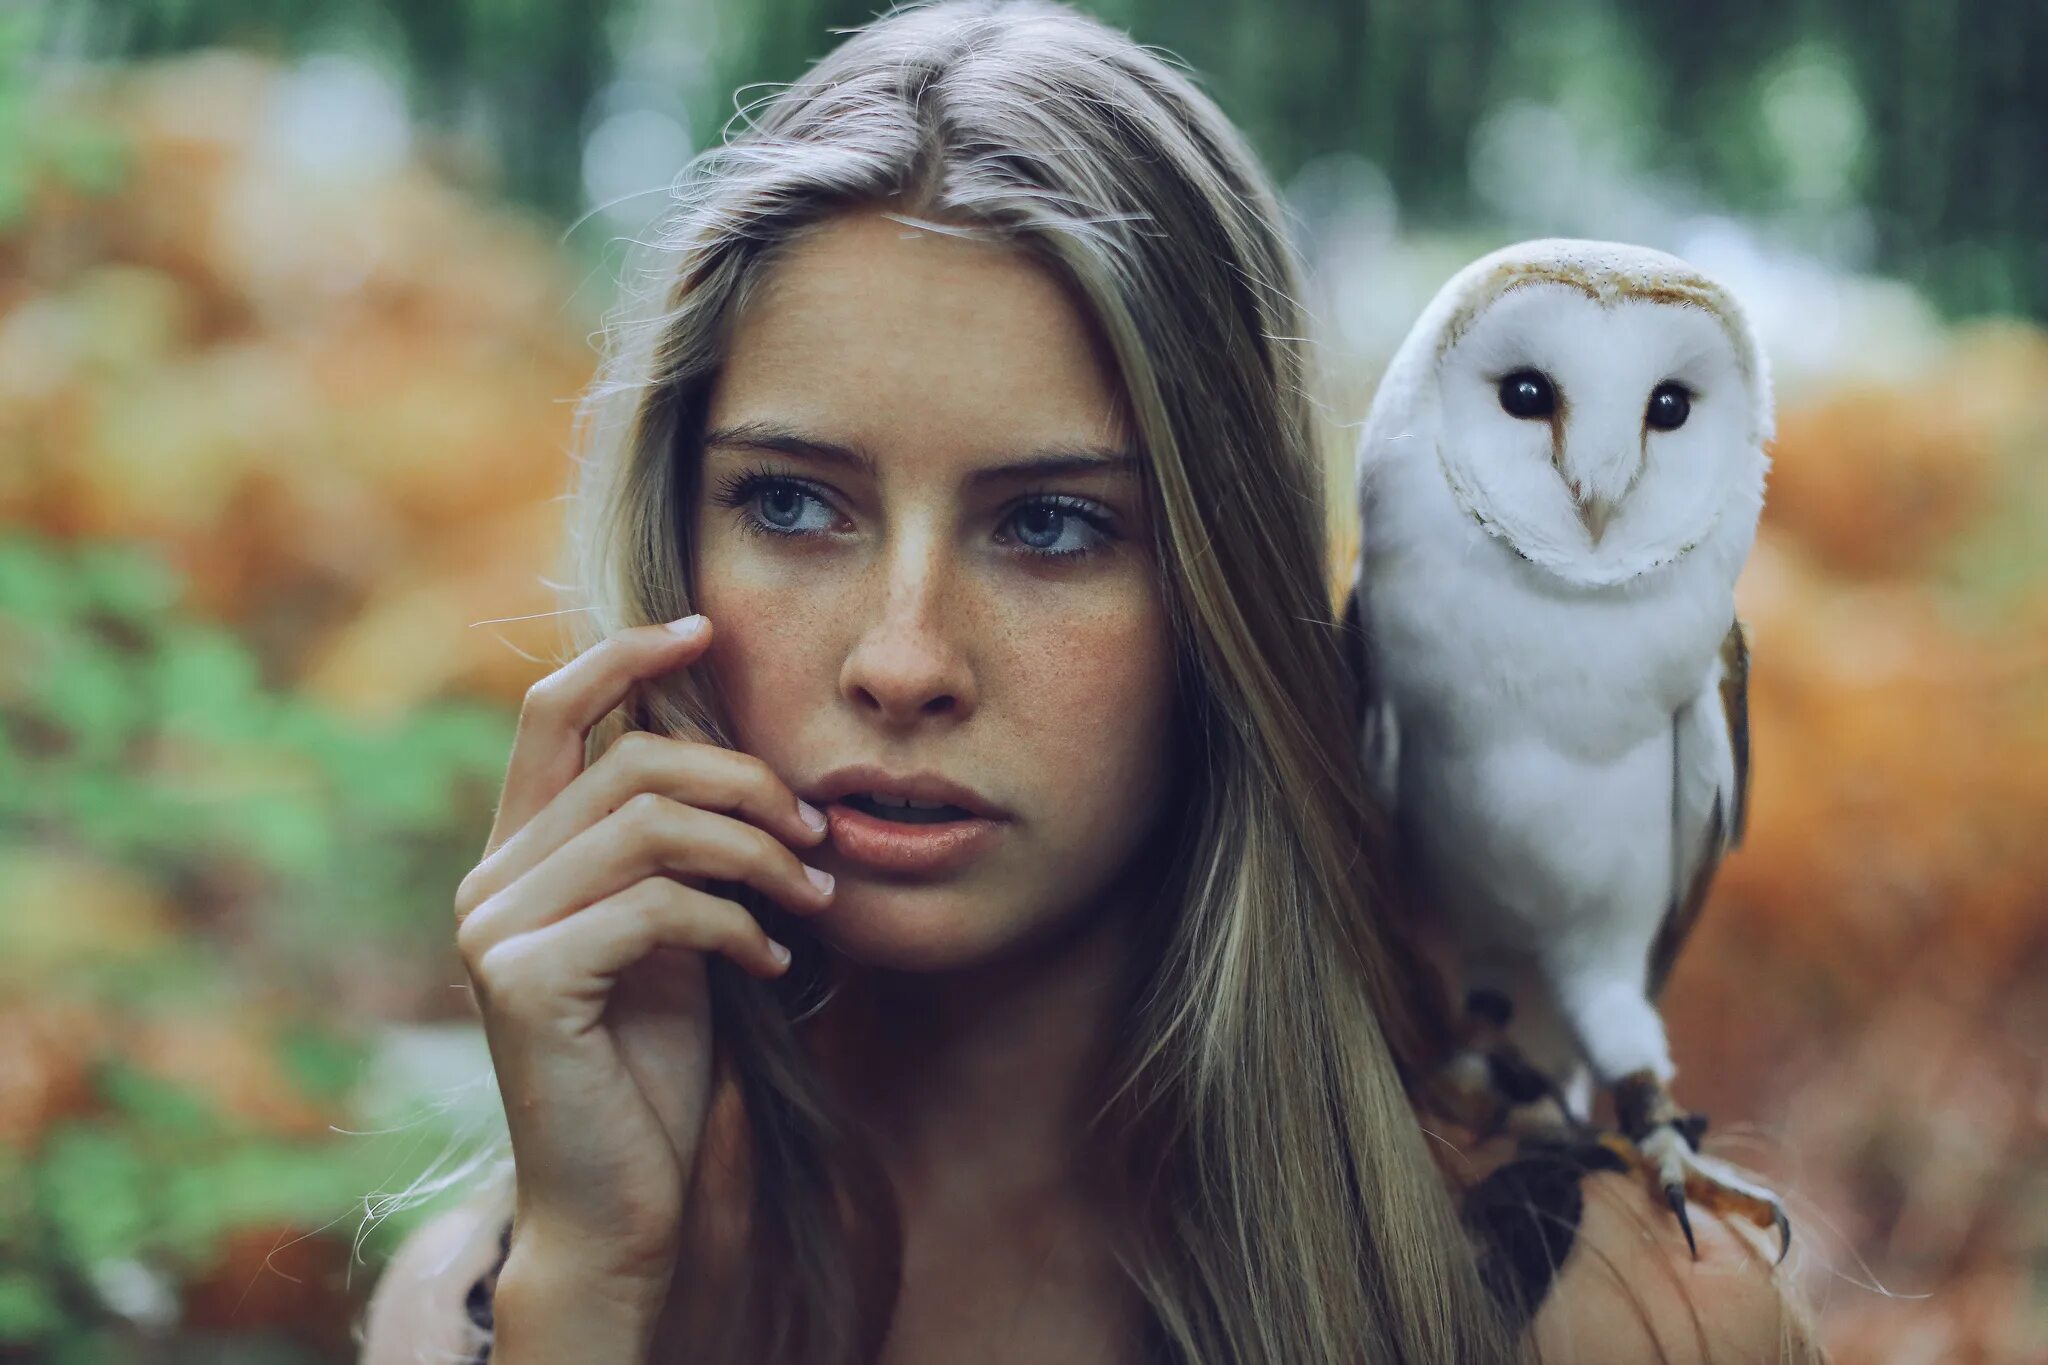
979, 1083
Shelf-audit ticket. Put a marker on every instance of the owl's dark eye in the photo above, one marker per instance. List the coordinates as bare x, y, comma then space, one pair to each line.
1526, 393
1670, 405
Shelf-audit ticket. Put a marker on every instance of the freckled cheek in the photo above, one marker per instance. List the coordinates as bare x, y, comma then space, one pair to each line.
763, 657
767, 621
1094, 726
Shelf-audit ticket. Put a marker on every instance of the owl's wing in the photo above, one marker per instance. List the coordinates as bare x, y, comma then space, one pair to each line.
1709, 795
1372, 716
1424, 1023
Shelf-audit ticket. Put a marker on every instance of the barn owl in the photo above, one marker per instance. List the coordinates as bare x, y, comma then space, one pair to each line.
1559, 481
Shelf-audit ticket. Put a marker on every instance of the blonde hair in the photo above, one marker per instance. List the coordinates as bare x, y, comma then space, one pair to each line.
1256, 1125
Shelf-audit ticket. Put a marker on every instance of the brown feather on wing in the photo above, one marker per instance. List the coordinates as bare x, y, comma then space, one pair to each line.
1372, 720
1735, 705
1357, 659
1726, 822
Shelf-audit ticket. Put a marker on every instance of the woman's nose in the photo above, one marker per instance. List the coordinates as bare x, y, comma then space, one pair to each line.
909, 659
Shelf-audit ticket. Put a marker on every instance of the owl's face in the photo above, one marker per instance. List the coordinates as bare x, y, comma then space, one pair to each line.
1601, 432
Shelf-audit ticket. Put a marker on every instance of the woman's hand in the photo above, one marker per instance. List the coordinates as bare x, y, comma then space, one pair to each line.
584, 930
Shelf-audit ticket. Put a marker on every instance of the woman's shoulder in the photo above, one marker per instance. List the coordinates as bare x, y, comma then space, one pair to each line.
432, 1301
1599, 1271
1630, 1289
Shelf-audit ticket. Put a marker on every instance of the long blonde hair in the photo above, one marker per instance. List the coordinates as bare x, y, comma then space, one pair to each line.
1265, 1156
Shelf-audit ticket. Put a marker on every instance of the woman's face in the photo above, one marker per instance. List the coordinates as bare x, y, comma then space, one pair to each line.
931, 612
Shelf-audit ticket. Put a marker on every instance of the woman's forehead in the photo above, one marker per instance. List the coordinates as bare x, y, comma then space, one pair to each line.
871, 334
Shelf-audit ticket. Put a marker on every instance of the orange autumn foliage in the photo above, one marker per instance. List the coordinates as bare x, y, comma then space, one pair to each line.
334, 410
1875, 479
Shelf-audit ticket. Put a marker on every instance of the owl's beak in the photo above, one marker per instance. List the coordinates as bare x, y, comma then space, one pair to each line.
1597, 492
1596, 512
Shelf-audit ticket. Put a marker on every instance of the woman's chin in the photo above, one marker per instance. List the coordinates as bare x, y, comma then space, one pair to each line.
927, 928
914, 931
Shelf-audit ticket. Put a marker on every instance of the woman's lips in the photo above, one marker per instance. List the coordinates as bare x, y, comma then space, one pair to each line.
898, 846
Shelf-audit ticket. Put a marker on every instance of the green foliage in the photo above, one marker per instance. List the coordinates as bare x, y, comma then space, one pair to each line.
152, 1185
150, 739
36, 140
27, 1308
281, 848
1945, 104
518, 73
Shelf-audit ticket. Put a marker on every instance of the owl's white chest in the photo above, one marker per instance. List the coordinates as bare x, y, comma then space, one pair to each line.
1473, 642
1534, 716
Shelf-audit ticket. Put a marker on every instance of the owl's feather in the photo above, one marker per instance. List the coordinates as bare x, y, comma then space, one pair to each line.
1373, 718
1710, 796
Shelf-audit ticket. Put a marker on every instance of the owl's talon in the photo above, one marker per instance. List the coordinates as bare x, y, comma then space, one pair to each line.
1668, 1155
1674, 1195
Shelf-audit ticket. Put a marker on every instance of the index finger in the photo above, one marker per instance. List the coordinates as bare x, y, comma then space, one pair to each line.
559, 710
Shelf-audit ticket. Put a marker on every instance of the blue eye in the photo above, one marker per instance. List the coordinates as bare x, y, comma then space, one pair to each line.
782, 503
1054, 515
1047, 519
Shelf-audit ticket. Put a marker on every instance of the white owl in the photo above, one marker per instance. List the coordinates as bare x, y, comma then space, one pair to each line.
1559, 482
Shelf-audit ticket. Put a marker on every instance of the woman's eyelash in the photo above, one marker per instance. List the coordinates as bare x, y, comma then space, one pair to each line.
739, 490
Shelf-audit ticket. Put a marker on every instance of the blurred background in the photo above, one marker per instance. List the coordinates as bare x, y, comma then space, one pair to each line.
295, 301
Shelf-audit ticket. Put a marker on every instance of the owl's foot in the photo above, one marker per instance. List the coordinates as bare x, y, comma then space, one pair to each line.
1662, 1141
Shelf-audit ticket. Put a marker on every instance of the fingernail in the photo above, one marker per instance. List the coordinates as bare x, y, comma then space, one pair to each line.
819, 877
778, 952
689, 627
813, 817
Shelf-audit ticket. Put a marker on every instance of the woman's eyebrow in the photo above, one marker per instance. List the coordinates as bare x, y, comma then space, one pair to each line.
1053, 460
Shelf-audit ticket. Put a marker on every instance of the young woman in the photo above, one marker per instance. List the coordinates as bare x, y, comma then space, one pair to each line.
968, 436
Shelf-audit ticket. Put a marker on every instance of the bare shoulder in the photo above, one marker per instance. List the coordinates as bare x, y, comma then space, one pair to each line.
416, 1313
1630, 1291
